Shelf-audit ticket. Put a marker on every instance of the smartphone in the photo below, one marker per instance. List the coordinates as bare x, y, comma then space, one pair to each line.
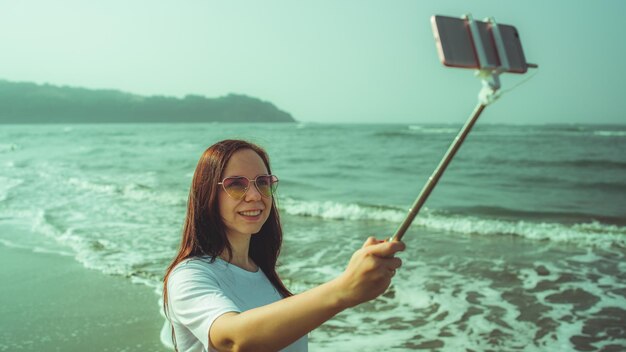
456, 46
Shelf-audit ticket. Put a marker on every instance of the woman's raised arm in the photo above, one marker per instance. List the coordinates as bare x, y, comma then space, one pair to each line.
277, 325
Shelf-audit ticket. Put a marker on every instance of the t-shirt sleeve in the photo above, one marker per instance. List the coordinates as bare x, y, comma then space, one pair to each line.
196, 300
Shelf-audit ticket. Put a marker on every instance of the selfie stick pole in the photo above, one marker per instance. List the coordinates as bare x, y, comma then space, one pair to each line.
488, 94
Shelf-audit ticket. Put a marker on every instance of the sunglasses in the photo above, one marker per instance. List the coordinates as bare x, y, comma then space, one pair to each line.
237, 186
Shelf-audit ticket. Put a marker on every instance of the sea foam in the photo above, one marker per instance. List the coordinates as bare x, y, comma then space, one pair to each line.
6, 184
593, 233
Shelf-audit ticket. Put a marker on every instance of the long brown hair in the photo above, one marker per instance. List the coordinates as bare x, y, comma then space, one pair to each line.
204, 232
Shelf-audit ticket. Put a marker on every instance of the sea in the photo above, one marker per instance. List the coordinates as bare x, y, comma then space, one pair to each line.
521, 247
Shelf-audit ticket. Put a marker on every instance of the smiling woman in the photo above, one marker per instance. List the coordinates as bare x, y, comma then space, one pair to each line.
222, 292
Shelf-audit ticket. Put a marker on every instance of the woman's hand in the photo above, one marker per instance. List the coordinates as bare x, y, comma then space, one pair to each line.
369, 271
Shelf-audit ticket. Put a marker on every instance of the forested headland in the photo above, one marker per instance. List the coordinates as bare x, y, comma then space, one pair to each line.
23, 102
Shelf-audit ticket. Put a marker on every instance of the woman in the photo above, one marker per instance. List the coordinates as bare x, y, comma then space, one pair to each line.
222, 292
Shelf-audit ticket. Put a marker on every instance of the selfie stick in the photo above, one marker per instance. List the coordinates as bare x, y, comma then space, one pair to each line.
489, 76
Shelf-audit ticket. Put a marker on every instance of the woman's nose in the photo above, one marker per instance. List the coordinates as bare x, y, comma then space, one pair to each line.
253, 193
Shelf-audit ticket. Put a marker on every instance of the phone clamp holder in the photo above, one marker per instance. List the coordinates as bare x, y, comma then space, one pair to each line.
490, 77
489, 74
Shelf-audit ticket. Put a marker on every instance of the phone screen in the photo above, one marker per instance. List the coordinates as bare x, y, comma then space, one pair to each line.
454, 42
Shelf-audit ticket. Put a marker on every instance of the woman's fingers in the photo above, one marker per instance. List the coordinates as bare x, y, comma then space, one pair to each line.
389, 266
382, 253
393, 263
370, 241
384, 249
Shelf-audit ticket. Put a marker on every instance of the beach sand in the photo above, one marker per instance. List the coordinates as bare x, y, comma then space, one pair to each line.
51, 302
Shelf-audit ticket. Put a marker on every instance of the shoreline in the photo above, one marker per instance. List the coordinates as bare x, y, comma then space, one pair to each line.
52, 303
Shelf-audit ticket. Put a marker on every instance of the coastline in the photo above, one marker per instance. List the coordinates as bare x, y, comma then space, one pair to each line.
52, 303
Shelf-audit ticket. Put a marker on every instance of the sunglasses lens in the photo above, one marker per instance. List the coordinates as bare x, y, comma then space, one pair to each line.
266, 185
236, 187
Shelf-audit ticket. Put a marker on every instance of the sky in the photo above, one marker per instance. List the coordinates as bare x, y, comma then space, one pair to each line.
352, 61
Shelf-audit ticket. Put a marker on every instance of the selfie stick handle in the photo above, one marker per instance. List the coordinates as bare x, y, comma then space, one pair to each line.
434, 178
488, 94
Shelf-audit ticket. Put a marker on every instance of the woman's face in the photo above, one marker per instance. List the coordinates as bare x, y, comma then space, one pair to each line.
244, 217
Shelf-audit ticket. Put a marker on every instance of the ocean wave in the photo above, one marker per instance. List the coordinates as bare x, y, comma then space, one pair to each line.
617, 187
558, 182
99, 254
600, 164
92, 186
394, 134
602, 131
585, 163
131, 191
432, 129
4, 148
413, 131
610, 133
565, 128
339, 211
536, 216
603, 164
6, 184
580, 234
591, 233
141, 192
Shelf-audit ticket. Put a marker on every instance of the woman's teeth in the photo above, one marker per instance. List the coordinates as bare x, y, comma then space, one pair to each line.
250, 213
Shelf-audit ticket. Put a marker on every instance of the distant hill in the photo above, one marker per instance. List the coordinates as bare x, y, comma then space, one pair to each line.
32, 103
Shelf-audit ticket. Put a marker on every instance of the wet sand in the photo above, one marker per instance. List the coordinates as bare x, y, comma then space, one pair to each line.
50, 302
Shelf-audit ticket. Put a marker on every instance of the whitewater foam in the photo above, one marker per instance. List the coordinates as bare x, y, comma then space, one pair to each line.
9, 147
338, 211
594, 233
131, 191
432, 129
610, 133
6, 184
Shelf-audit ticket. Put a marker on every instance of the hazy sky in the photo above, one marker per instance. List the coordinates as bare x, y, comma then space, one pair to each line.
323, 61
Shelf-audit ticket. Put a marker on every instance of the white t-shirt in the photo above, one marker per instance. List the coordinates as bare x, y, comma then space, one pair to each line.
199, 292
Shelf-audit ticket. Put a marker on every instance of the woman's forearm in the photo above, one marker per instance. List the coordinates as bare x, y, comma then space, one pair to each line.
277, 325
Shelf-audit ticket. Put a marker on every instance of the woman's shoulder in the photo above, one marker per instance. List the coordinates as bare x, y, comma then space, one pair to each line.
192, 273
197, 265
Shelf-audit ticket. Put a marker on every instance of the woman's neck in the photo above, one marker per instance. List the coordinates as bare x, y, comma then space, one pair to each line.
240, 246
